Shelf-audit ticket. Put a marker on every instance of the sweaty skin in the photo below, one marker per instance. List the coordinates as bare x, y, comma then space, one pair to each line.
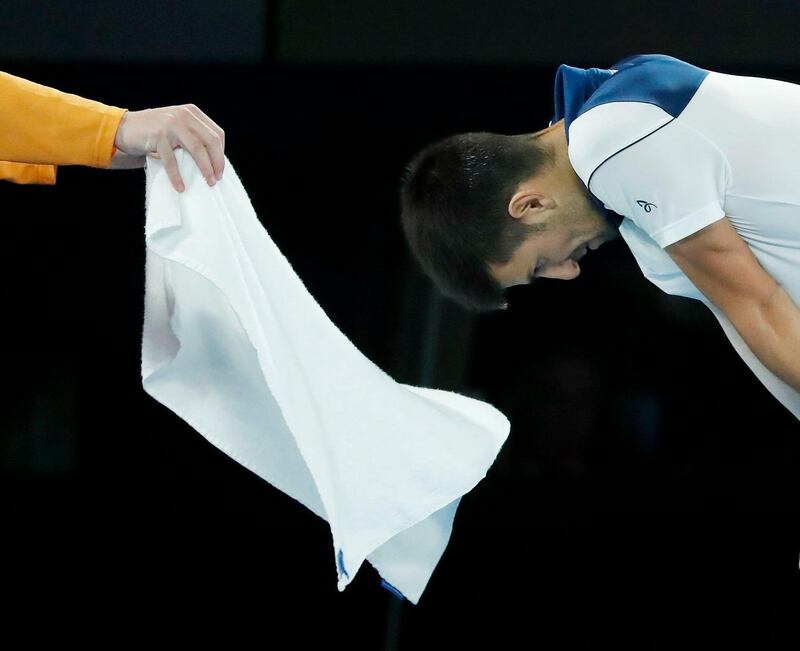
556, 197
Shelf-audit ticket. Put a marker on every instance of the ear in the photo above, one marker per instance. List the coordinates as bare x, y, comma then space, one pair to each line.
529, 206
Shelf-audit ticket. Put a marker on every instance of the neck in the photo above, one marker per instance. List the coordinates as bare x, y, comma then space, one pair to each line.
554, 138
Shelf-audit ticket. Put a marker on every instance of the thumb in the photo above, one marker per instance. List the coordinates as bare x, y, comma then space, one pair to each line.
122, 161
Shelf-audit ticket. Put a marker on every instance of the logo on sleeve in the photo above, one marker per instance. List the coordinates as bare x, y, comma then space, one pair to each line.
647, 206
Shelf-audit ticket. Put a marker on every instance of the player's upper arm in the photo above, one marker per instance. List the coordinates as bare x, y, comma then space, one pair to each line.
722, 266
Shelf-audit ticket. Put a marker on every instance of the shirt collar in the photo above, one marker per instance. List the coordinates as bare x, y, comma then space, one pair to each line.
573, 87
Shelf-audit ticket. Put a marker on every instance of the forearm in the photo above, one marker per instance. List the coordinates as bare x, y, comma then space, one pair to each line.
772, 332
47, 126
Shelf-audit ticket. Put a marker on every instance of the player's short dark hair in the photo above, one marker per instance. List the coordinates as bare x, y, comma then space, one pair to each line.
454, 197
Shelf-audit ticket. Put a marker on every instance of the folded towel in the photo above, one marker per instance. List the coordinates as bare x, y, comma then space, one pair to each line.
237, 347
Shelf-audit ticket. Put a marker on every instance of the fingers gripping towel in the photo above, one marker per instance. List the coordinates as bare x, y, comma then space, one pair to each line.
236, 346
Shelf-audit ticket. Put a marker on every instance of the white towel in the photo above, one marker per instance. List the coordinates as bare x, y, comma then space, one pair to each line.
235, 345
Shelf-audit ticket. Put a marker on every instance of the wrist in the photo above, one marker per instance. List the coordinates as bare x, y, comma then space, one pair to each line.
119, 139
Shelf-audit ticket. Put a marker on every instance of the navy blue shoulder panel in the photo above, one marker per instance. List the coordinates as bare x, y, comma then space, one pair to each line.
658, 79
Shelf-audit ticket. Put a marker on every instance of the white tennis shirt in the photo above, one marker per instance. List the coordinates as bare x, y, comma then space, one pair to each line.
673, 148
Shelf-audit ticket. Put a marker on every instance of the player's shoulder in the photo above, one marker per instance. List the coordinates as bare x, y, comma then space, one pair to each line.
607, 129
645, 93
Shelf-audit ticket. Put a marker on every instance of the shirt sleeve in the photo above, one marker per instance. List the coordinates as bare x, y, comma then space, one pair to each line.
41, 127
27, 173
671, 183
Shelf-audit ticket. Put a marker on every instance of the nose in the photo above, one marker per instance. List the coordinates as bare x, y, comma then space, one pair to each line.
567, 270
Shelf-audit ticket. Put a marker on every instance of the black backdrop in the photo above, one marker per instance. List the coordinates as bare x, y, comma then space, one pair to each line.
646, 497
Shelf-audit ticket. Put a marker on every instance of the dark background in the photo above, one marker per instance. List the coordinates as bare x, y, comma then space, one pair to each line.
647, 496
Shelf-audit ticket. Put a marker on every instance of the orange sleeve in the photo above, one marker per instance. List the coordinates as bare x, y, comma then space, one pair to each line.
41, 127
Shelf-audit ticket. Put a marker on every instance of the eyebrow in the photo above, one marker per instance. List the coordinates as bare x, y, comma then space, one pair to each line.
530, 277
532, 271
